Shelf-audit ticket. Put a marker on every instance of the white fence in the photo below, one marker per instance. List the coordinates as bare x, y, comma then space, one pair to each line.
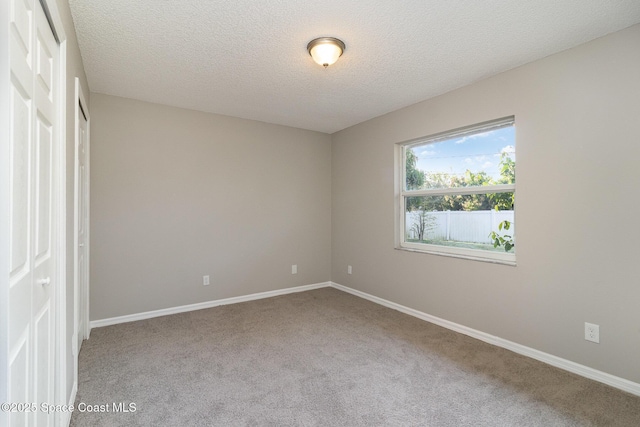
461, 226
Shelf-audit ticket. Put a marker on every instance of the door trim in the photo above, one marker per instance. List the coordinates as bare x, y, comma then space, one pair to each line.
81, 308
5, 78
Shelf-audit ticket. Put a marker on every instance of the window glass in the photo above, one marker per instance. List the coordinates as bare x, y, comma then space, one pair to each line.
458, 194
469, 160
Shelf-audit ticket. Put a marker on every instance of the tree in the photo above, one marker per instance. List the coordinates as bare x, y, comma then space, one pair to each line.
469, 202
424, 224
458, 202
472, 202
507, 169
505, 201
415, 179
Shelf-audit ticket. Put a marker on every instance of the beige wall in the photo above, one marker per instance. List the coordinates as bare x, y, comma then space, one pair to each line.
177, 194
577, 115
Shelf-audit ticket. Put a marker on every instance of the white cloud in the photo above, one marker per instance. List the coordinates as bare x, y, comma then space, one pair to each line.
427, 153
474, 136
477, 160
508, 149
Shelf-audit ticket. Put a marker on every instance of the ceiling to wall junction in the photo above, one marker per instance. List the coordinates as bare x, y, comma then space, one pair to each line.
248, 58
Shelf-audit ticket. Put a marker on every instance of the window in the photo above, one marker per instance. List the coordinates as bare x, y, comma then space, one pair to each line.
457, 193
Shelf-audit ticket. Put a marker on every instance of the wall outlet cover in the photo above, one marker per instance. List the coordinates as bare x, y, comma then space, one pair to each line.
592, 332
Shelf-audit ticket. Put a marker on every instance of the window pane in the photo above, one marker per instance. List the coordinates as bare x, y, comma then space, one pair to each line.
476, 159
466, 221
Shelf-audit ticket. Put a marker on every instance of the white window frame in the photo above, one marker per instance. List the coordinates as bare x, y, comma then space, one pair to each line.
402, 193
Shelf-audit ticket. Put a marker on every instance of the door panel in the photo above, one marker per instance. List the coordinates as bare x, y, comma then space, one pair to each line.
20, 161
19, 369
43, 361
44, 69
44, 180
22, 24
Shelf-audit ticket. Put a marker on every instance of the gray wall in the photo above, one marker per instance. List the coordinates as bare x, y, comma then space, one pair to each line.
577, 115
177, 194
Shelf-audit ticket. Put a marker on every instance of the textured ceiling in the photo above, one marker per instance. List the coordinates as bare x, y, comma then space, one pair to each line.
248, 58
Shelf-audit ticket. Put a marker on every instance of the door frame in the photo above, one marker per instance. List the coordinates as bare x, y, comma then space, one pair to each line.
81, 308
5, 122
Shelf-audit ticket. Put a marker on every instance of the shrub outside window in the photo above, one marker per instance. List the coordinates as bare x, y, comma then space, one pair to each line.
457, 193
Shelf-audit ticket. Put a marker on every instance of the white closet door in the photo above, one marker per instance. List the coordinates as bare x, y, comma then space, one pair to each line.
34, 55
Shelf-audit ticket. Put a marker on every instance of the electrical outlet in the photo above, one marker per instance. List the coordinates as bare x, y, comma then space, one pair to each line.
592, 332
294, 269
349, 269
205, 280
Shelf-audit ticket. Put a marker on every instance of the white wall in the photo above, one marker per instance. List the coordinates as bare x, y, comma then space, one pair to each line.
177, 194
577, 115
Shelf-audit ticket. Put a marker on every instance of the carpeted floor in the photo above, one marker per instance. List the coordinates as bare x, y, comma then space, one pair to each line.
325, 358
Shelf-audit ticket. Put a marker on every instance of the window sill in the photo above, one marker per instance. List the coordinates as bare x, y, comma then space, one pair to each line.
470, 254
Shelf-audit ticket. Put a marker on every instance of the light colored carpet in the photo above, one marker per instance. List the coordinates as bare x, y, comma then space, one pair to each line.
326, 358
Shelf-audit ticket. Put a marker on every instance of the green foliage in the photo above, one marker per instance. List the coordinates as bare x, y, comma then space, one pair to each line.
505, 201
468, 202
415, 177
502, 240
507, 169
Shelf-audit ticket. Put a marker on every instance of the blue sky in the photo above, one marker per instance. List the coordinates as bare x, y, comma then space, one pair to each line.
476, 152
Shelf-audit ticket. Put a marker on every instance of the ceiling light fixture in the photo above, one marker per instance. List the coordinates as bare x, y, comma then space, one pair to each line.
325, 50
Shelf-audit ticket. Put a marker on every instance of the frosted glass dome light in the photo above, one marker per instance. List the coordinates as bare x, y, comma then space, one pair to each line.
325, 50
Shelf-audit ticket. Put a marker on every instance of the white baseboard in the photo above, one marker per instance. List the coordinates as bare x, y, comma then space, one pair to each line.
558, 362
65, 416
567, 365
202, 305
